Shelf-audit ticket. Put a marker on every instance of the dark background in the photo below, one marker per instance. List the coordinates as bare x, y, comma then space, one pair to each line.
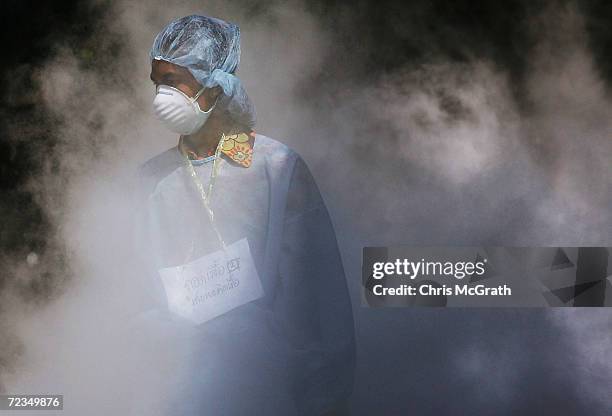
390, 35
387, 35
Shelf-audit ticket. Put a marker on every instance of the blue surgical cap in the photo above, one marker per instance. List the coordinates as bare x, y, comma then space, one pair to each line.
210, 49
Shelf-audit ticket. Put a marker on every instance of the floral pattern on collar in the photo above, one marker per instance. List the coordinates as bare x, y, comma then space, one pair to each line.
238, 148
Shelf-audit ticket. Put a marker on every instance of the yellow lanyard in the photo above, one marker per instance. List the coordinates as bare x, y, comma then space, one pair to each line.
205, 196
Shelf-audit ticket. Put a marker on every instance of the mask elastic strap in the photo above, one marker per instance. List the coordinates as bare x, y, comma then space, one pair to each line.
198, 94
195, 98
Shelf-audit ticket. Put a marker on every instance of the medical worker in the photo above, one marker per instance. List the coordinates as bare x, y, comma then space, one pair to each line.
245, 292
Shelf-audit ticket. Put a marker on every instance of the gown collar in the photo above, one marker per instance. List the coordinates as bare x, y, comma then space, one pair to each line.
237, 148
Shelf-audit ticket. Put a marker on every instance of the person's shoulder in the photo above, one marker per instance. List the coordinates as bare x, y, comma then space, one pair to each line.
153, 170
165, 160
303, 192
280, 154
274, 150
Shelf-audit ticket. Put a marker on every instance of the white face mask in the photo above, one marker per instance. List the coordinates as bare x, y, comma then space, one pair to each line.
178, 112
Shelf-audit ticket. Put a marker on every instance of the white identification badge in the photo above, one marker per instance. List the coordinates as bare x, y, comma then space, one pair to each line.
213, 284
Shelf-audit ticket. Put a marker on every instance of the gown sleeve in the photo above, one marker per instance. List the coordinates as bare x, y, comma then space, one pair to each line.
314, 303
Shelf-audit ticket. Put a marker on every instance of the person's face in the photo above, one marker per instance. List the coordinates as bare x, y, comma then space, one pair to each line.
166, 73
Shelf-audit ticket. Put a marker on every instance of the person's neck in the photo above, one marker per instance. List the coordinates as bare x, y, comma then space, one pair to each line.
204, 142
